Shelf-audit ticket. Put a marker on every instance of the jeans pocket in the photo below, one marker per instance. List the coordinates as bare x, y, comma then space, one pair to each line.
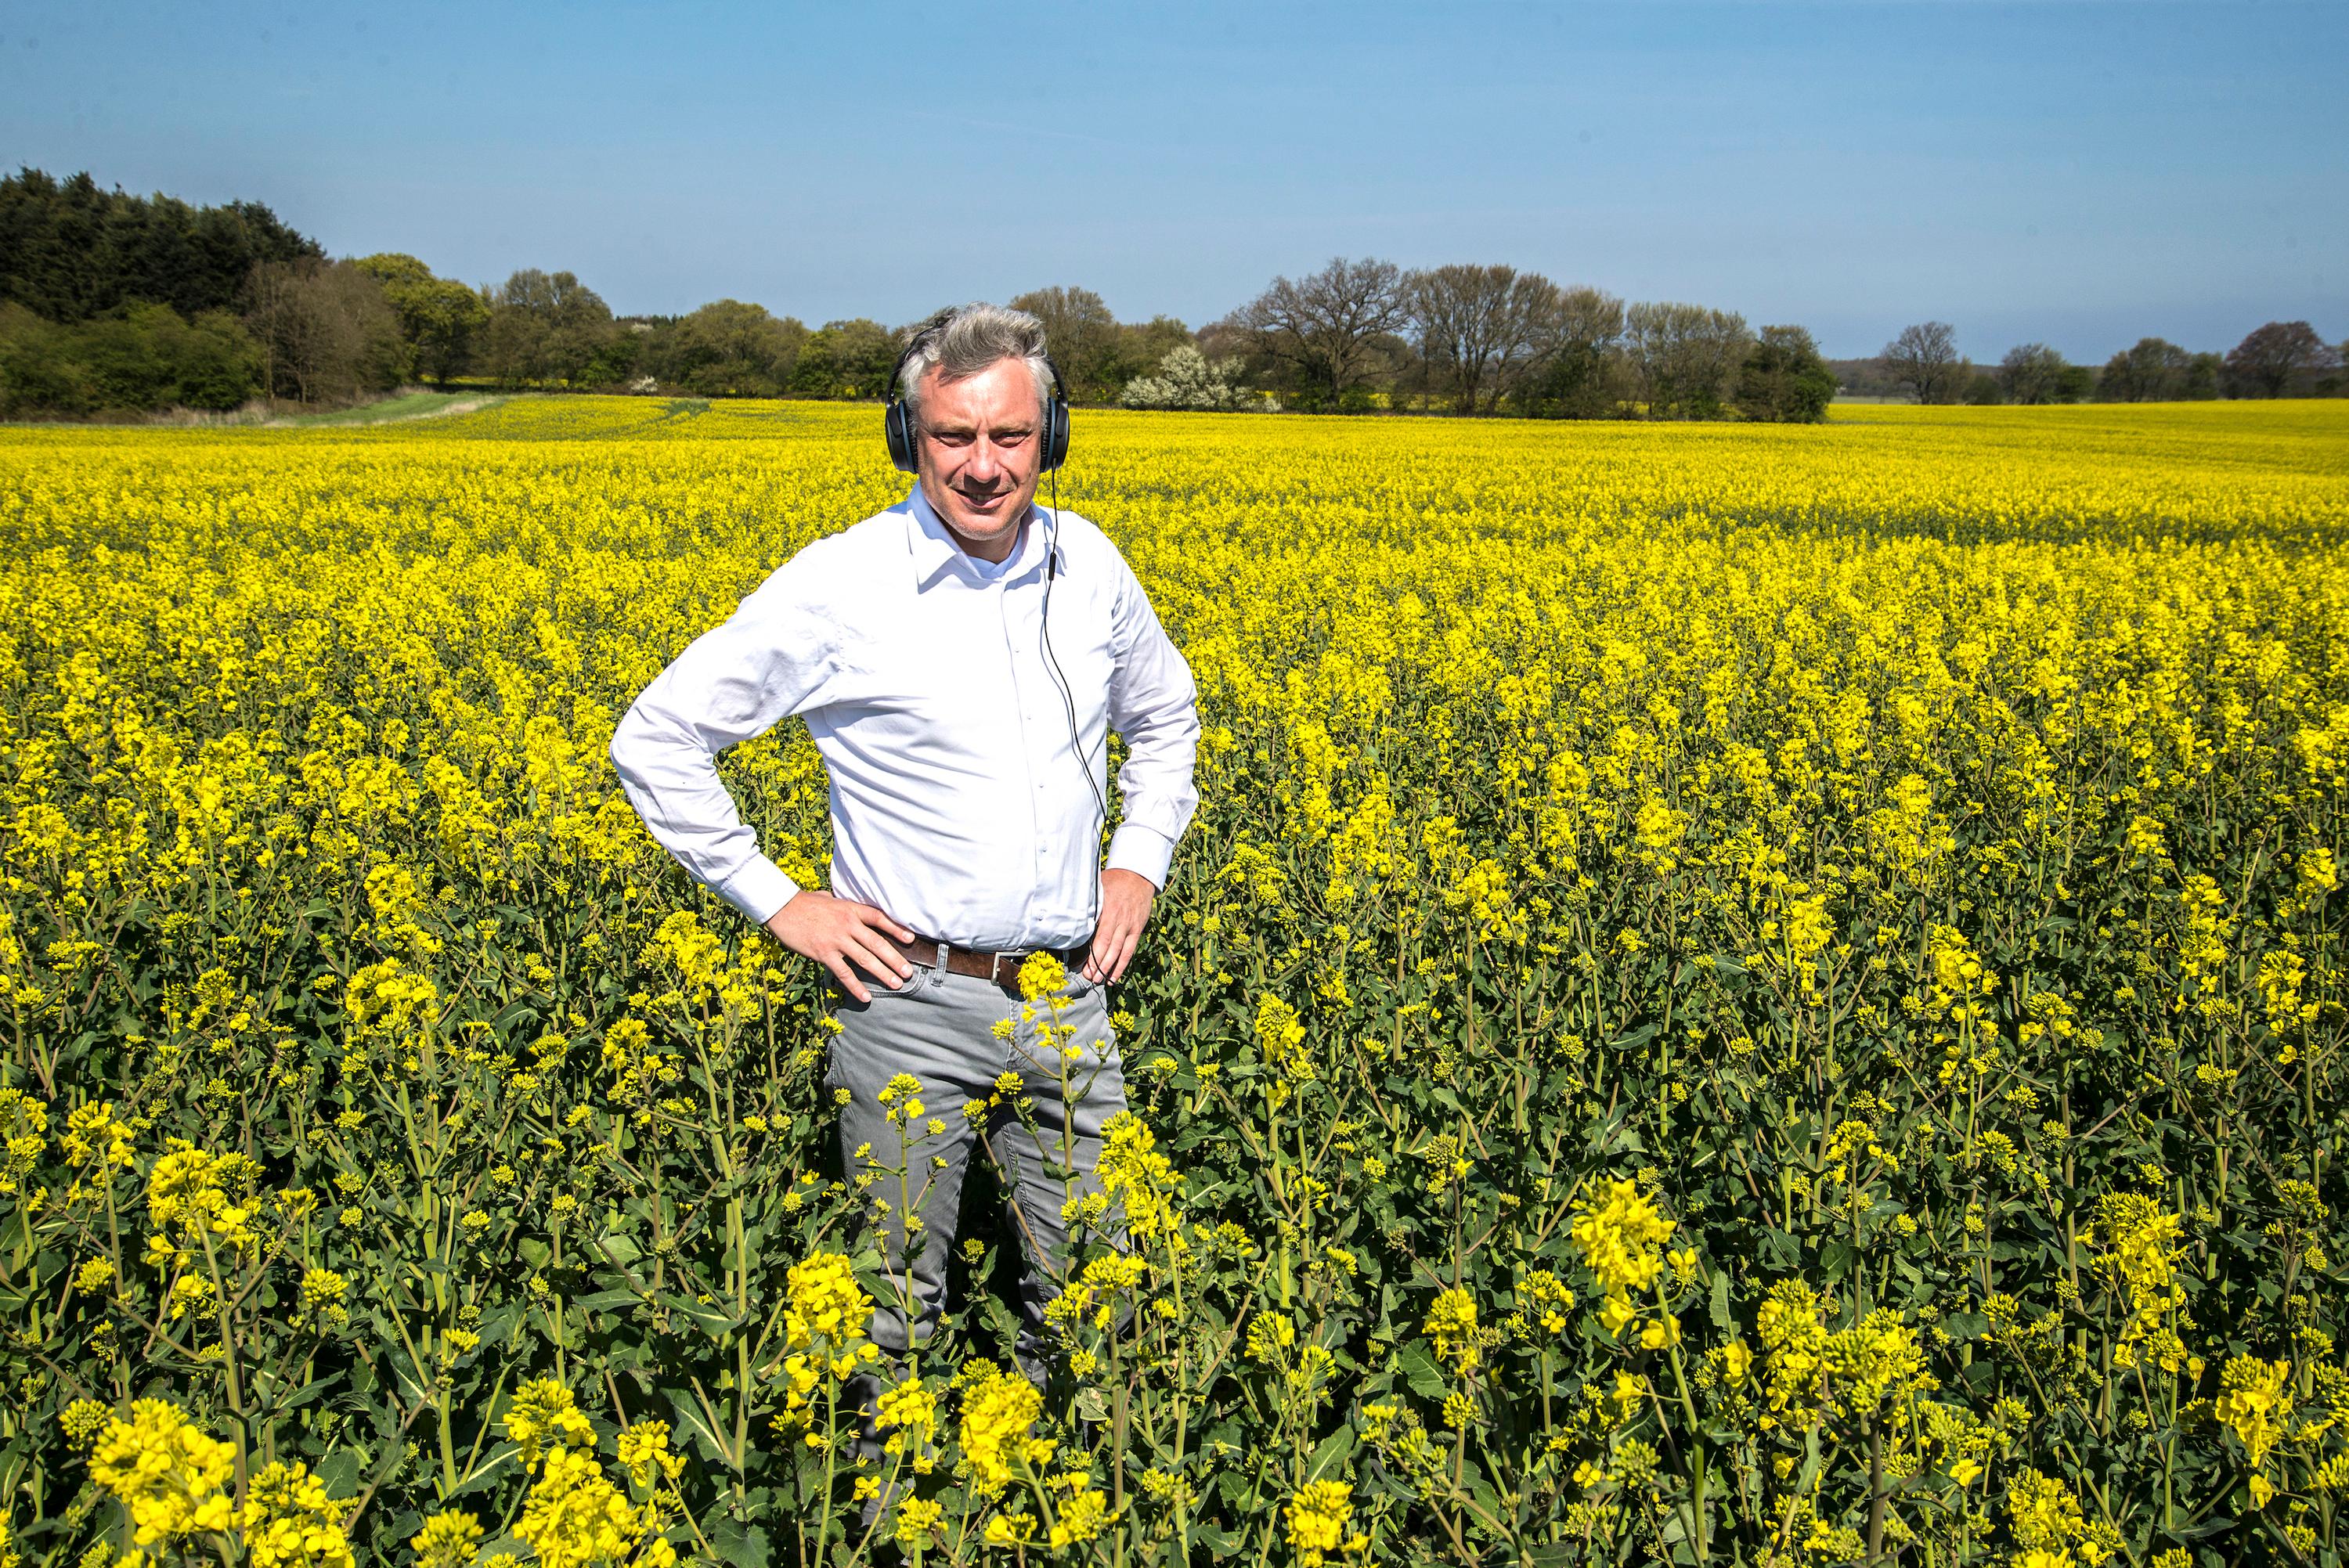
880, 985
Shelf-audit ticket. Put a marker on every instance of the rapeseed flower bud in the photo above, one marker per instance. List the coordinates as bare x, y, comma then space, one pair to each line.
544, 1416
94, 1134
1041, 975
918, 1522
289, 1521
1318, 1513
644, 1454
2255, 1404
447, 1541
825, 1320
998, 1409
1452, 1324
574, 1518
167, 1473
1619, 1238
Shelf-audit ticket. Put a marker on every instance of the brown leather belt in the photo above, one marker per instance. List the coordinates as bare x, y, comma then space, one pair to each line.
1000, 969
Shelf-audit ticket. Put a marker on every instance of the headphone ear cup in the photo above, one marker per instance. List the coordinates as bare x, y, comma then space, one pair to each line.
1056, 443
901, 437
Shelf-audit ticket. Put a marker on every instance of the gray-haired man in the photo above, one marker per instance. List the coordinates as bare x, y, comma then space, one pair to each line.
966, 737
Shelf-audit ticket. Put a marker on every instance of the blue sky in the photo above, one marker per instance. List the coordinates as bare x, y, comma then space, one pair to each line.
2080, 174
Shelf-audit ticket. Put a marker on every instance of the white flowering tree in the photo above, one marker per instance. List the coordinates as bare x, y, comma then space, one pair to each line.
1187, 378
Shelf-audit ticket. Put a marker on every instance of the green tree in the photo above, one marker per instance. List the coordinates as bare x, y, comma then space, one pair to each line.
439, 317
1140, 347
2151, 372
143, 356
1783, 380
2204, 373
730, 347
846, 359
70, 250
2035, 373
36, 374
548, 329
1082, 336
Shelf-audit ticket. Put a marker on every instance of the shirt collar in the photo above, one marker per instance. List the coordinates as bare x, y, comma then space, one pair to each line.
933, 549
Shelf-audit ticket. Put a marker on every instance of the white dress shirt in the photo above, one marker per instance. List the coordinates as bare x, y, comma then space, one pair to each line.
959, 806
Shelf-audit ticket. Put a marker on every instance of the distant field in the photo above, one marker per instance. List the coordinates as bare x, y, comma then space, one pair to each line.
1738, 994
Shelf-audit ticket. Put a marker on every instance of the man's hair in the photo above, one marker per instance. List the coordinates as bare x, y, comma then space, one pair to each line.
966, 340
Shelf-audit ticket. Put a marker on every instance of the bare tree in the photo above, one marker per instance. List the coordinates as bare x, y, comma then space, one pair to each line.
1575, 370
1082, 334
1324, 329
1924, 359
325, 331
2265, 362
1478, 326
1685, 357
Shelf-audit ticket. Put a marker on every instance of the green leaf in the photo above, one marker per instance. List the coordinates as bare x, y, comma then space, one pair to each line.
744, 1545
1418, 1364
340, 1471
1329, 1455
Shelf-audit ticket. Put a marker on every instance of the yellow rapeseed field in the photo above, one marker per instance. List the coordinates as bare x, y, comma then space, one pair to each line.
1738, 995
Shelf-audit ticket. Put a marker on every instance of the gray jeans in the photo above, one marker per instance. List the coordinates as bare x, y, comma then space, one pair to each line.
940, 1029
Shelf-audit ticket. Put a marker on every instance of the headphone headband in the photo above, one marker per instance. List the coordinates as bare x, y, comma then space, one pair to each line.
897, 419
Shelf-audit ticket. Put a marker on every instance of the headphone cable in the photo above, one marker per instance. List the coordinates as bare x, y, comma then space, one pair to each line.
1068, 696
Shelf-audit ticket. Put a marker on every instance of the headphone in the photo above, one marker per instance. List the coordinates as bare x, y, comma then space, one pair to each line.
898, 421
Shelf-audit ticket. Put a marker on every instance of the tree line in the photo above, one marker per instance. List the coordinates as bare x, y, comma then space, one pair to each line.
1484, 339
112, 302
2278, 359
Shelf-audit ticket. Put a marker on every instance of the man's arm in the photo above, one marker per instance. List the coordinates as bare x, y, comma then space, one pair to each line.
769, 661
1154, 704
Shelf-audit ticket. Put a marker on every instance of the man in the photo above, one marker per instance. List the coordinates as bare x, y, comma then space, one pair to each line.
966, 735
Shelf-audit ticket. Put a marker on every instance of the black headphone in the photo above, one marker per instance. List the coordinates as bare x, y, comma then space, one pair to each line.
898, 421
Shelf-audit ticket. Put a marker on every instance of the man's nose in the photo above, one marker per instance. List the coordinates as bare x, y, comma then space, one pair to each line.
986, 460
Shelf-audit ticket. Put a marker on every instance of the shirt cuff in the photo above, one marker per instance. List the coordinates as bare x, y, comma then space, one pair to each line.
1144, 851
759, 889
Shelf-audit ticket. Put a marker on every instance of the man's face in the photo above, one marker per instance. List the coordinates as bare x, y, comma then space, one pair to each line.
980, 450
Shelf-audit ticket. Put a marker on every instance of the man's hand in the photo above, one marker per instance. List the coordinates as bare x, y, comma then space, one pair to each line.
1126, 897
843, 936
